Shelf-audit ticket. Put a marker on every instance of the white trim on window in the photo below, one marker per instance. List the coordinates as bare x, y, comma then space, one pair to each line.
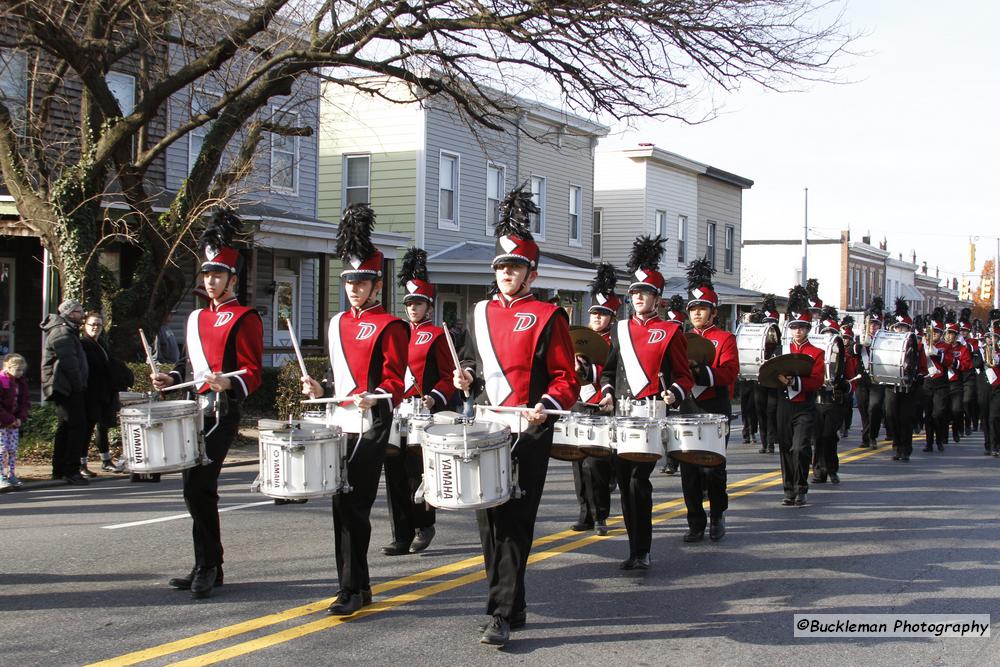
455, 165
575, 211
711, 245
660, 223
538, 194
294, 189
682, 239
198, 133
494, 169
729, 261
345, 184
596, 238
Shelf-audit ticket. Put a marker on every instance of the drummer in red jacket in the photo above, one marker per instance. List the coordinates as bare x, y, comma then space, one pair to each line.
797, 421
900, 400
936, 389
712, 393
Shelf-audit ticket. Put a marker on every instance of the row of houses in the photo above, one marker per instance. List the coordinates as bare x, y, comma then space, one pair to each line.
434, 182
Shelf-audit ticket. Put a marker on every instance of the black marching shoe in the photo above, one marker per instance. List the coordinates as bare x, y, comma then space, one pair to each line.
517, 620
717, 528
996, 453
628, 564
203, 582
835, 478
642, 562
87, 472
800, 499
76, 480
581, 526
184, 583
396, 548
928, 448
422, 540
602, 530
497, 631
762, 450
694, 535
770, 449
788, 501
818, 480
348, 603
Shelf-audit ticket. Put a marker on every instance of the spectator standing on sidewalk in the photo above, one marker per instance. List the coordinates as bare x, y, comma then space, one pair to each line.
64, 382
102, 395
15, 401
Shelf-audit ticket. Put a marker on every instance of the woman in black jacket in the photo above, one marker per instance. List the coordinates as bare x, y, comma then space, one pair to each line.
102, 394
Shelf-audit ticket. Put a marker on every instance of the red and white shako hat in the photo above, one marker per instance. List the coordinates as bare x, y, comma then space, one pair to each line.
828, 320
812, 292
413, 277
362, 260
513, 230
937, 318
603, 290
769, 311
876, 309
797, 313
902, 314
216, 242
676, 309
951, 321
847, 326
965, 320
644, 264
699, 275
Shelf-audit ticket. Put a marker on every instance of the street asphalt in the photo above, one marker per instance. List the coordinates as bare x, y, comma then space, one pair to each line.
79, 587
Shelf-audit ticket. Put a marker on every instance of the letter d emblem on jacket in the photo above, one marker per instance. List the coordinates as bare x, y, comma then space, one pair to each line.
524, 321
424, 337
365, 330
656, 335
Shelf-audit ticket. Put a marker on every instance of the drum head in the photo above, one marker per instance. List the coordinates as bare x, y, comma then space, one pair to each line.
456, 436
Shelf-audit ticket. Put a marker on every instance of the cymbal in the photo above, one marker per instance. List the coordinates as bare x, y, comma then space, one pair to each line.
700, 349
786, 364
589, 343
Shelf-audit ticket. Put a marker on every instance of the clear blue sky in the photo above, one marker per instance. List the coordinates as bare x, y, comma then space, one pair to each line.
909, 150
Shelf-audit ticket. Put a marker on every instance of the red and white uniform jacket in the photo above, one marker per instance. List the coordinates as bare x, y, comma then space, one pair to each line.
522, 349
368, 349
852, 368
939, 360
961, 361
804, 388
590, 388
429, 365
992, 373
642, 351
221, 339
719, 377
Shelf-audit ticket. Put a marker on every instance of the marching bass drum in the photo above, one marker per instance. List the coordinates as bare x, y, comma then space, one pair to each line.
755, 344
833, 356
894, 357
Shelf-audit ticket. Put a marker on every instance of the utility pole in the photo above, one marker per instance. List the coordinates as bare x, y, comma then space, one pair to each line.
805, 242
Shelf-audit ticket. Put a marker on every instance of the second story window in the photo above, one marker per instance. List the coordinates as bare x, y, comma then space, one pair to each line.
201, 102
682, 234
357, 183
660, 223
448, 180
495, 184
595, 243
730, 240
575, 206
285, 154
14, 85
538, 196
710, 244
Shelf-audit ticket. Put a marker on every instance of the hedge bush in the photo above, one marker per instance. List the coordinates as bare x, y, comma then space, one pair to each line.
289, 387
261, 403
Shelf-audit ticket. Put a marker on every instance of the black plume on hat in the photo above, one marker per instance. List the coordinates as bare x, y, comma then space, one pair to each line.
950, 317
219, 231
646, 252
966, 314
798, 300
515, 211
847, 321
414, 266
812, 288
902, 307
876, 306
605, 280
677, 303
699, 273
767, 302
994, 315
355, 231
938, 314
828, 313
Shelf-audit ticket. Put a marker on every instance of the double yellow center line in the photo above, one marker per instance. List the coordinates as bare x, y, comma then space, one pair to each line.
540, 552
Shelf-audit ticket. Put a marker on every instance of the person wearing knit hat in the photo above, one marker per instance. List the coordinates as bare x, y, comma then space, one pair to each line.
797, 418
521, 350
901, 400
936, 399
429, 370
829, 404
766, 398
712, 393
368, 348
648, 362
64, 382
989, 385
871, 395
223, 337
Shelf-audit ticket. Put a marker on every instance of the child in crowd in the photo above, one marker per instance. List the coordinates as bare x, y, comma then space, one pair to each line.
14, 404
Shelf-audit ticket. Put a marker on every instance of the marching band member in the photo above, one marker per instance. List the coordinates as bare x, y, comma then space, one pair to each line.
852, 372
676, 311
368, 349
592, 476
969, 405
221, 338
429, 371
748, 390
871, 395
648, 360
522, 349
936, 399
797, 405
961, 365
989, 404
829, 405
900, 400
766, 398
711, 393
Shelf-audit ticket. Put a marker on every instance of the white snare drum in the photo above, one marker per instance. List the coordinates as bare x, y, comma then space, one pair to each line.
755, 344
134, 398
646, 408
349, 419
893, 357
466, 466
161, 436
564, 445
416, 425
638, 439
301, 462
594, 435
833, 356
397, 432
696, 439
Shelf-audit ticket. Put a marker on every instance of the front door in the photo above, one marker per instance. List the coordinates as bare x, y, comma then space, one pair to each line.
286, 305
6, 305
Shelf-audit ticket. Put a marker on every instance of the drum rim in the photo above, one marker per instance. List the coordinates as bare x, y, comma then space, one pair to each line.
592, 420
269, 437
182, 408
701, 418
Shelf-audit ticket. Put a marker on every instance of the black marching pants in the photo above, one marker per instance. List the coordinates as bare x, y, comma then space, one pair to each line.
695, 478
936, 409
956, 391
766, 402
797, 426
637, 503
352, 528
748, 408
984, 394
847, 411
201, 488
900, 404
970, 404
403, 475
828, 421
592, 483
871, 398
506, 531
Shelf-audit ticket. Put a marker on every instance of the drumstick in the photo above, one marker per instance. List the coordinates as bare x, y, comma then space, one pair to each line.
454, 353
295, 345
510, 408
342, 399
149, 353
192, 383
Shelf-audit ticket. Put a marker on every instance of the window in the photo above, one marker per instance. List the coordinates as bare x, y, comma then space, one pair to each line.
14, 85
710, 244
575, 205
538, 196
448, 180
201, 102
285, 154
122, 87
682, 224
660, 223
730, 240
358, 180
495, 186
595, 238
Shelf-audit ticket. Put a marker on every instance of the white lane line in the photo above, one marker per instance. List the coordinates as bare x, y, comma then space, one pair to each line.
182, 516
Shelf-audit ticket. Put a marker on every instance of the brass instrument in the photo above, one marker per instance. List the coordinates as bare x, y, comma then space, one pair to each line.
928, 339
989, 347
865, 339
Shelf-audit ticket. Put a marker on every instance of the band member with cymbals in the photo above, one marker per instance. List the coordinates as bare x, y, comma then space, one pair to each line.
592, 475
871, 395
712, 393
676, 311
936, 398
900, 399
989, 401
522, 351
221, 338
829, 405
766, 398
961, 365
368, 348
648, 360
797, 419
852, 372
429, 377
